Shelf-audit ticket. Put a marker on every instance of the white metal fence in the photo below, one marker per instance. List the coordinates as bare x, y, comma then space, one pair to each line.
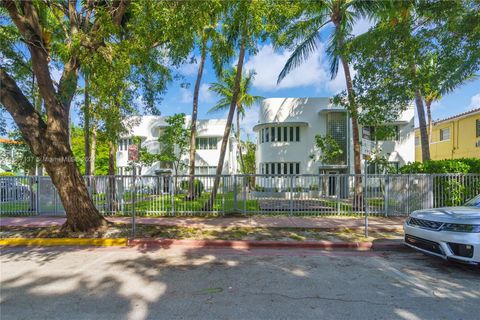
324, 194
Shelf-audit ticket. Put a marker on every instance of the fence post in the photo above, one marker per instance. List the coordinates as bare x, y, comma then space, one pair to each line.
244, 186
172, 193
235, 193
291, 195
386, 199
365, 200
37, 200
408, 194
134, 200
223, 195
337, 191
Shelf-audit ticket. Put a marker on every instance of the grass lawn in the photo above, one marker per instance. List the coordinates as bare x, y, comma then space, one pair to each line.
225, 233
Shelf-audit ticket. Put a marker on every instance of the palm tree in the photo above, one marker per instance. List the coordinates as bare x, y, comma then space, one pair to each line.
224, 89
342, 14
220, 51
440, 82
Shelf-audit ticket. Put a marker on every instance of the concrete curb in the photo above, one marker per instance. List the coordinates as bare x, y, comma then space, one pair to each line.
321, 245
196, 244
48, 242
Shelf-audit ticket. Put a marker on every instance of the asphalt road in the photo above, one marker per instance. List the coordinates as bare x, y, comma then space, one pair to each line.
182, 283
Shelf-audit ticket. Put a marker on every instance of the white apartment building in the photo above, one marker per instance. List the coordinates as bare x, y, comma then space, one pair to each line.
287, 128
209, 141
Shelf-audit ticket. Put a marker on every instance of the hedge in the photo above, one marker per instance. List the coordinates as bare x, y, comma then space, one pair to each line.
449, 190
463, 165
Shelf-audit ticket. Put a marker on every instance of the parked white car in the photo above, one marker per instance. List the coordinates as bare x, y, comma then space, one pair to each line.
451, 233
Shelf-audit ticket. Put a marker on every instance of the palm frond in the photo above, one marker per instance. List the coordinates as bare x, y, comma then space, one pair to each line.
300, 54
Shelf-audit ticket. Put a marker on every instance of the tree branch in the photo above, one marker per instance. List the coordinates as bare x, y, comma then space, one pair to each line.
26, 117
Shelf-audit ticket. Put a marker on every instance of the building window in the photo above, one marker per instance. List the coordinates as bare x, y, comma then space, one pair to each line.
477, 126
285, 131
206, 143
417, 140
124, 143
267, 135
262, 135
381, 133
444, 134
279, 133
297, 134
272, 129
280, 168
291, 133
205, 169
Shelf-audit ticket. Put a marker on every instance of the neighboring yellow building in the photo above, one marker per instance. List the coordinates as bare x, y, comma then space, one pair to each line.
453, 137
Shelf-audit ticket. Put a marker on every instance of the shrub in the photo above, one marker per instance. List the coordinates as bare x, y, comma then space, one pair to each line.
449, 190
314, 187
463, 165
259, 188
7, 174
198, 187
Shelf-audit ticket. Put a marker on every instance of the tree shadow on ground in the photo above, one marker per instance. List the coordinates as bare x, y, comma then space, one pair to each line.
153, 282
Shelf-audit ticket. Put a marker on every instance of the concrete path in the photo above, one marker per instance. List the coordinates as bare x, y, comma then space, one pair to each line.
271, 222
133, 284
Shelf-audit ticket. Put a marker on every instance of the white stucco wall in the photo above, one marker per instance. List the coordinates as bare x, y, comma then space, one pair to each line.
310, 114
148, 128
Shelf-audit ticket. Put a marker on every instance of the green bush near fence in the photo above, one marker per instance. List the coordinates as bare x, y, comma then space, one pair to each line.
197, 186
463, 165
450, 190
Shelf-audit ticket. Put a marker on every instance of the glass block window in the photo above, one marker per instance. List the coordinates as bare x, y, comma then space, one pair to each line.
337, 129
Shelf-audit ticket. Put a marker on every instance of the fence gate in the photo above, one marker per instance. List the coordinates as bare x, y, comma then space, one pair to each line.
48, 200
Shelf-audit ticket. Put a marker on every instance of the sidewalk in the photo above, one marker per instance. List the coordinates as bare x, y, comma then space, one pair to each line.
321, 223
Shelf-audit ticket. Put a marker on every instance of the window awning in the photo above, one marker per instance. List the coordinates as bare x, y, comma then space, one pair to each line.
280, 124
329, 110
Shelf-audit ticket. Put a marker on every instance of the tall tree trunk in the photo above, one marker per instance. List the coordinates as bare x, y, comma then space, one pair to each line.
428, 105
240, 155
193, 127
49, 141
93, 154
423, 126
93, 150
228, 126
112, 192
357, 161
86, 128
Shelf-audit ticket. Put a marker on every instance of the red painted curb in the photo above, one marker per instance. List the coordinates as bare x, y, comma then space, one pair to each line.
323, 245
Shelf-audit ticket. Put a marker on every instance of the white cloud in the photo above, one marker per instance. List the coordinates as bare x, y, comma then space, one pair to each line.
475, 101
185, 95
268, 64
361, 26
248, 122
205, 95
314, 72
190, 68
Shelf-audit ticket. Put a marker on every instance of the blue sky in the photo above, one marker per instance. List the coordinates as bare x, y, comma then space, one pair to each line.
311, 79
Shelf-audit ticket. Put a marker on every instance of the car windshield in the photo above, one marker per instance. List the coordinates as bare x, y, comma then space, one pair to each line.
475, 202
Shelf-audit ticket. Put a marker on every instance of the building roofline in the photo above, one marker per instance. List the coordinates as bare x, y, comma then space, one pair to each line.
457, 116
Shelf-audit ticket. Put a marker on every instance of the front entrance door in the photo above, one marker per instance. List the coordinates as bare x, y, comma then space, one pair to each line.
332, 182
